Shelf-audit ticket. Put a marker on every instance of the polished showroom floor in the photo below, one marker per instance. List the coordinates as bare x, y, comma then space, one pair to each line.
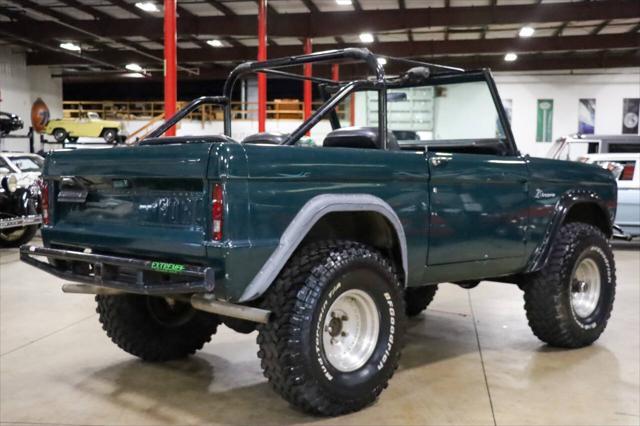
470, 359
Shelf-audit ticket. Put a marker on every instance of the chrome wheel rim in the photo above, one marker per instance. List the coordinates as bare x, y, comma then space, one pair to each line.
585, 288
350, 330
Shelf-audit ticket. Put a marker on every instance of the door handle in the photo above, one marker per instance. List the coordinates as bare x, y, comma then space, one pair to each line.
439, 161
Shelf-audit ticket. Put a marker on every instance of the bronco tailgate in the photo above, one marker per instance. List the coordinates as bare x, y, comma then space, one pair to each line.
144, 200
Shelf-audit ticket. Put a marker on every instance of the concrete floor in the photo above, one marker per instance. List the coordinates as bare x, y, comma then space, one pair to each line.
470, 359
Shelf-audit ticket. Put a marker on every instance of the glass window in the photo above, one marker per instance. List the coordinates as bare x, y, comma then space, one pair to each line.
458, 113
27, 164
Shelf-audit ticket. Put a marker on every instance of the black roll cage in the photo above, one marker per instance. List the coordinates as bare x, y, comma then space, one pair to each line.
334, 92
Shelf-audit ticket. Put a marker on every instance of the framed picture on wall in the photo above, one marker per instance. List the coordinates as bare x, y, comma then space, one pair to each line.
630, 113
544, 127
586, 116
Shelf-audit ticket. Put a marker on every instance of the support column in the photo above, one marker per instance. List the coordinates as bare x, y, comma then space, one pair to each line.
262, 56
308, 90
170, 62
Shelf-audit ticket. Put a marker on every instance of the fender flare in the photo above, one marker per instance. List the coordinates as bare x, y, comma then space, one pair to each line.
305, 219
540, 256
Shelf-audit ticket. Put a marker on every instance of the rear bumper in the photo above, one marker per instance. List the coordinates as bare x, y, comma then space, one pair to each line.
123, 273
19, 222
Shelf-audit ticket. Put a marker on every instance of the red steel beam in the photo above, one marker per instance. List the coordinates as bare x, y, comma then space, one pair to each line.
262, 56
335, 72
308, 94
170, 62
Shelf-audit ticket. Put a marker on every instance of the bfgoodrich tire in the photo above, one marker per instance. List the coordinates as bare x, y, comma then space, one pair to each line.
153, 328
15, 237
570, 300
335, 334
417, 299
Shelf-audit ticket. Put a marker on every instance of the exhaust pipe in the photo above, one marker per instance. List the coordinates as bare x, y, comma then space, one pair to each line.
207, 303
202, 302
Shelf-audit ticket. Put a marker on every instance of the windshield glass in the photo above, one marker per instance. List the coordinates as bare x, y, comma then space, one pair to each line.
27, 164
448, 113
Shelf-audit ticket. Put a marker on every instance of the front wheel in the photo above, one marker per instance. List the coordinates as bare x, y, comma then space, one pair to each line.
60, 135
569, 302
416, 299
334, 338
155, 328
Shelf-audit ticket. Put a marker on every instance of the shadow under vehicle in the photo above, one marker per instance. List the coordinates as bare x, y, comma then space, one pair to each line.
327, 249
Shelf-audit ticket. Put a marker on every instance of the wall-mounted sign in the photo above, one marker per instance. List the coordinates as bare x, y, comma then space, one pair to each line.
39, 115
630, 113
544, 128
586, 116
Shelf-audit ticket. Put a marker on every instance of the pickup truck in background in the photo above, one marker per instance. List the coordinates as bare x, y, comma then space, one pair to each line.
326, 250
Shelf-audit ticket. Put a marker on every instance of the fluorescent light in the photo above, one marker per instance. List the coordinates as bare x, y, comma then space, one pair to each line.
70, 46
526, 31
133, 67
510, 57
382, 61
147, 6
133, 75
214, 43
366, 38
343, 2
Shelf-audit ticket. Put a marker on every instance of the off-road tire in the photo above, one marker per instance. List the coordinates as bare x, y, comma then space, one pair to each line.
60, 135
133, 325
547, 293
28, 233
291, 347
416, 299
110, 135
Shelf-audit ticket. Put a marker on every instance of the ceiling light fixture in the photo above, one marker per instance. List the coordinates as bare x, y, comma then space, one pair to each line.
366, 38
133, 75
133, 67
526, 31
343, 2
214, 43
70, 46
147, 6
510, 57
382, 61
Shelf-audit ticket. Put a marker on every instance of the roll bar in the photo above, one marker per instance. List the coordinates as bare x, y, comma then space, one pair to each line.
342, 89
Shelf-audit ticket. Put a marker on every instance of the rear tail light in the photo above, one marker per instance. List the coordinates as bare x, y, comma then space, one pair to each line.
44, 195
217, 211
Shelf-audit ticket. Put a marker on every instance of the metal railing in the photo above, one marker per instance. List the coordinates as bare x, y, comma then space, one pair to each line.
146, 110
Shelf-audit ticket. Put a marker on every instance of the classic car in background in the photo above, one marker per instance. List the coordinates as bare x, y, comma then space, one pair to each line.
626, 168
89, 124
9, 123
20, 197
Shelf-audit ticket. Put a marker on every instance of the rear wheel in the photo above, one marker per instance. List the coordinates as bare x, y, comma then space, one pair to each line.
110, 135
334, 337
155, 328
15, 237
570, 300
416, 299
60, 135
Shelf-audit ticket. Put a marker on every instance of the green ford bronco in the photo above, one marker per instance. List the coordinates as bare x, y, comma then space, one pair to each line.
325, 250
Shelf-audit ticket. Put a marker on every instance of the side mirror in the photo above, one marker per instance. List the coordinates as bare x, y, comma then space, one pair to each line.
417, 74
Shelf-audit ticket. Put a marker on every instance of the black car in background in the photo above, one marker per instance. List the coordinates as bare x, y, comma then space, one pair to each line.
9, 123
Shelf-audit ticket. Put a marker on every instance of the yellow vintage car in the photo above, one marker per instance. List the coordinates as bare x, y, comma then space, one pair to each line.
89, 125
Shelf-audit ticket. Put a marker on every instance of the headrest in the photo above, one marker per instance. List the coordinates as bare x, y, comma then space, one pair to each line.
358, 137
267, 138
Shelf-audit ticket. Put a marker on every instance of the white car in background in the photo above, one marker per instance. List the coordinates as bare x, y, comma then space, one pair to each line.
626, 168
26, 167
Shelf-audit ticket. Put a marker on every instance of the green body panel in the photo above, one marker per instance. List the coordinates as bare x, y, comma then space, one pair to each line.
154, 202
